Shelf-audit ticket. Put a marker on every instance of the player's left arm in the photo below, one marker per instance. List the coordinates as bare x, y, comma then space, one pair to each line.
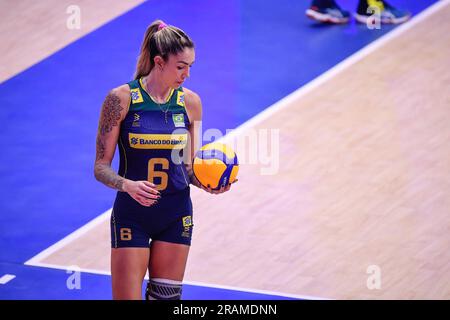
194, 111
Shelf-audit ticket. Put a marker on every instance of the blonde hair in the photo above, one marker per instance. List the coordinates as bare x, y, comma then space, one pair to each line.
162, 40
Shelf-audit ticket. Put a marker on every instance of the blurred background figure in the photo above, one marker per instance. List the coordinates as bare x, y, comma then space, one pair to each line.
329, 11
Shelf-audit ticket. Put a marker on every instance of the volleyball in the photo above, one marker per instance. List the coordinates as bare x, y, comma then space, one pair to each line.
216, 165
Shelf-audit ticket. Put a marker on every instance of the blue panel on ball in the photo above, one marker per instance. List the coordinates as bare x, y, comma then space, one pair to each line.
235, 162
225, 178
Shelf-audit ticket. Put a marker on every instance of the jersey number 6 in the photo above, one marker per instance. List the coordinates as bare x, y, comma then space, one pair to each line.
152, 173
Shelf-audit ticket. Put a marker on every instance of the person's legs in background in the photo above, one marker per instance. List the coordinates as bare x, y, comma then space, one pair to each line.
388, 14
329, 11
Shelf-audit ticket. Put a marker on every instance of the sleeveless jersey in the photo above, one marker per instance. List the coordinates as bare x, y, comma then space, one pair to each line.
153, 139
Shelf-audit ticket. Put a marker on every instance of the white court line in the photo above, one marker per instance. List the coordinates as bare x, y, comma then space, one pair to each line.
35, 261
343, 65
192, 283
6, 278
277, 107
272, 293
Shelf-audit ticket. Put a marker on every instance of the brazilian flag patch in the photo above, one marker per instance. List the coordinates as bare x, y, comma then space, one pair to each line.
178, 120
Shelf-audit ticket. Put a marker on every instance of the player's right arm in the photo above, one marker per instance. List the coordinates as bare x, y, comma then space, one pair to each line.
114, 110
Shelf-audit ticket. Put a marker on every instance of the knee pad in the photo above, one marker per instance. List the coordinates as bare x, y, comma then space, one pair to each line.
163, 289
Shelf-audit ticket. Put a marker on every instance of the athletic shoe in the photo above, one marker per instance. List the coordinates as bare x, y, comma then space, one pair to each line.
329, 14
388, 14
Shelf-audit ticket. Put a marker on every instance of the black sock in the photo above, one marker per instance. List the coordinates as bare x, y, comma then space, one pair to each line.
322, 3
362, 7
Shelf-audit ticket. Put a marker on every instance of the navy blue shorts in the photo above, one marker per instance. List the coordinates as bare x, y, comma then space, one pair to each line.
170, 220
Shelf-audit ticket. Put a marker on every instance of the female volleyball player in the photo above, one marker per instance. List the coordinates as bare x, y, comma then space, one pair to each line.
152, 120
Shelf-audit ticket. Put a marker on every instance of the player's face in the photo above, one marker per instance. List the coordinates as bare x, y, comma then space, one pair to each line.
178, 67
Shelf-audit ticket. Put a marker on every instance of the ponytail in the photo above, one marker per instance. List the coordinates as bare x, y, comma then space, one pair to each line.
145, 64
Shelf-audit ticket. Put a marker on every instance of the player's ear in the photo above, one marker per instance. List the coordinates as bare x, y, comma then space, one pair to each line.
159, 62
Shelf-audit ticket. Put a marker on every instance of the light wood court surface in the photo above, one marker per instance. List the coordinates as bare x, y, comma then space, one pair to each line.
32, 30
363, 180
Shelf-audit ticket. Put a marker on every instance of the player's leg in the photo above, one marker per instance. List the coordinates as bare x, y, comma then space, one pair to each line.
169, 248
130, 253
167, 265
128, 268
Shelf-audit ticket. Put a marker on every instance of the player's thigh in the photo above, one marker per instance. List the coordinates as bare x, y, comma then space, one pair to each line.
168, 260
128, 268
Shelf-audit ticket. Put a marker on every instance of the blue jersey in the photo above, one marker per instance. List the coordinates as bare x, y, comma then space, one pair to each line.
153, 140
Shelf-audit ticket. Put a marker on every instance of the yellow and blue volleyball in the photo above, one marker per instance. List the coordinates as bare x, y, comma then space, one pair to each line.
216, 165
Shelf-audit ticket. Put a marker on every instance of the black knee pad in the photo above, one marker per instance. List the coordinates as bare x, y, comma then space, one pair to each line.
163, 289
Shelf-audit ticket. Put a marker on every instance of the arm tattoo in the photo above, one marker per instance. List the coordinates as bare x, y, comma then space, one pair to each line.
111, 113
100, 148
104, 173
109, 118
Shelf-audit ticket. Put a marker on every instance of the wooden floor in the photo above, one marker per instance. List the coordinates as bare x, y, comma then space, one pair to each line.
32, 30
363, 180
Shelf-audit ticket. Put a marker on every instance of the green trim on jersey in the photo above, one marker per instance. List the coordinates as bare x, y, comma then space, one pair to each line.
141, 100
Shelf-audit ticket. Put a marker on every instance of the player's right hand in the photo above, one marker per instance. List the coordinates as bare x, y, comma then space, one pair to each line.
143, 192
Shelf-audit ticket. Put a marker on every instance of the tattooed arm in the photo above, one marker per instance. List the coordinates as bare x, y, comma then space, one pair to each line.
113, 112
